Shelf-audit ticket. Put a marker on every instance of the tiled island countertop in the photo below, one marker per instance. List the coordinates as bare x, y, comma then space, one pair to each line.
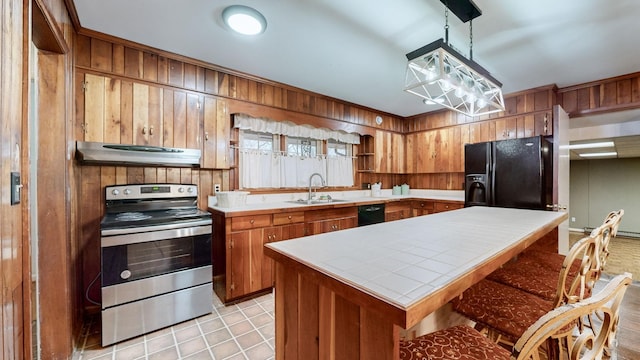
392, 274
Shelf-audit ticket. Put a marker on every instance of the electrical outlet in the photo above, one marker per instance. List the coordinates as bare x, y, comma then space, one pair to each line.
216, 188
573, 219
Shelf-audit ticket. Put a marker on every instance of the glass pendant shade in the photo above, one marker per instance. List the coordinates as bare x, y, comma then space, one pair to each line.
440, 75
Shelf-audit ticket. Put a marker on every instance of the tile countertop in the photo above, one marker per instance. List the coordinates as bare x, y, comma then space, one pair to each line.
279, 201
402, 262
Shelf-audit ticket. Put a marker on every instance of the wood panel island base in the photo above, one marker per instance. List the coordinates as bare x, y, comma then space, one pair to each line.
347, 295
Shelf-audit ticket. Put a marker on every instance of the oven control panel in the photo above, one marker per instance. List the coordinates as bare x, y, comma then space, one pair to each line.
150, 191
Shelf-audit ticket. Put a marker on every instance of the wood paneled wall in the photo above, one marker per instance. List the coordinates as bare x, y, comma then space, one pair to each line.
119, 57
607, 95
14, 265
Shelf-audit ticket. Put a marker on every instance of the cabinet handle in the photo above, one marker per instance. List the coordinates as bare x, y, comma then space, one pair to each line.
151, 130
144, 130
251, 221
289, 217
206, 135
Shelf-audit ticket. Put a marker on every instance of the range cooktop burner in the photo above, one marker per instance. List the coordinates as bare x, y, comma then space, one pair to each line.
181, 212
132, 216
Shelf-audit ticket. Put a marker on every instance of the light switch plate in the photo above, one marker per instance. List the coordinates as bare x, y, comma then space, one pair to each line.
15, 188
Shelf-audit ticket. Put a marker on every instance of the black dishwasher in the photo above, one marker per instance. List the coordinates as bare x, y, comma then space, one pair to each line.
370, 214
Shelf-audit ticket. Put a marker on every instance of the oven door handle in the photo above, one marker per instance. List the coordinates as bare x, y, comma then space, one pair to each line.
140, 237
140, 229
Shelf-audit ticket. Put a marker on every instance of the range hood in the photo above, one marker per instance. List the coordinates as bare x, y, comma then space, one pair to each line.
143, 155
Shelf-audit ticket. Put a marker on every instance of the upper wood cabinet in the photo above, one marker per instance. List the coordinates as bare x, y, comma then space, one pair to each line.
389, 152
125, 112
217, 133
436, 151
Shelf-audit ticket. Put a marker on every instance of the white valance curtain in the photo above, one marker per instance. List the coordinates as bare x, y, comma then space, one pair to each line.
266, 169
246, 122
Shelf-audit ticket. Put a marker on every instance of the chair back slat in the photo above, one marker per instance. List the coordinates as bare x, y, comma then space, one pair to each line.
577, 284
589, 342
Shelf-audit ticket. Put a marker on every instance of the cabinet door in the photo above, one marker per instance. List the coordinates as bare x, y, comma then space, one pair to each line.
348, 223
543, 124
479, 132
389, 152
425, 144
324, 226
147, 119
397, 211
291, 232
217, 134
239, 263
277, 233
264, 262
102, 104
412, 153
506, 128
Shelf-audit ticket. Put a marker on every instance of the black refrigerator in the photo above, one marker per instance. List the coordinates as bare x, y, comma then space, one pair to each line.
514, 173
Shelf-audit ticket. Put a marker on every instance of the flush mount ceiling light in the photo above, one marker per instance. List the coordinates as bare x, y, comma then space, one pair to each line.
441, 75
244, 20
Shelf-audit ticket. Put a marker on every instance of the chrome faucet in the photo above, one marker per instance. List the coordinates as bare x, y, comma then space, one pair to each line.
310, 178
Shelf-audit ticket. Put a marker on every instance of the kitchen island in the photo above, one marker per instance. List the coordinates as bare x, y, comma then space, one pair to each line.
347, 294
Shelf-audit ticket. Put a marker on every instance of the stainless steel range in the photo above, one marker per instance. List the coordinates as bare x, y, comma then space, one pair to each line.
155, 259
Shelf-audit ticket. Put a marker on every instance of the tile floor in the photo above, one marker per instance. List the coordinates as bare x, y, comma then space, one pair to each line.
235, 332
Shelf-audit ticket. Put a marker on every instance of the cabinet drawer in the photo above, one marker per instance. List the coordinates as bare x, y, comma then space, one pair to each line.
423, 204
250, 222
442, 206
288, 218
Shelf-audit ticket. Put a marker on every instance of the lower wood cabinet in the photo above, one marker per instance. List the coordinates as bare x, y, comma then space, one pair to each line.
327, 220
398, 210
240, 268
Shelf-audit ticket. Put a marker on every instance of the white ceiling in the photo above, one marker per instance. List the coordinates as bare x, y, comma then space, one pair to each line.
355, 50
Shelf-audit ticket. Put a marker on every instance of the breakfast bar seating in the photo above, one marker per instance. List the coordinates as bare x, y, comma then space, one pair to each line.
507, 312
537, 271
348, 294
558, 327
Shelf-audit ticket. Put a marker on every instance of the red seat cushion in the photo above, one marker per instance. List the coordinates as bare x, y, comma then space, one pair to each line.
502, 308
535, 272
456, 343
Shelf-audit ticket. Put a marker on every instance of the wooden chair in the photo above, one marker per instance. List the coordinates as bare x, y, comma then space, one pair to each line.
506, 312
537, 271
559, 327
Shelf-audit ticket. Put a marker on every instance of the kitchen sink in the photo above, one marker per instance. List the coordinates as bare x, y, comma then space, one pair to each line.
317, 202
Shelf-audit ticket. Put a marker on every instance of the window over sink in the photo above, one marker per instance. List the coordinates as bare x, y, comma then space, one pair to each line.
273, 155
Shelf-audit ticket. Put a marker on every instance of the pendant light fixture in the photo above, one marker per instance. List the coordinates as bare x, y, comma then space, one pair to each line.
441, 75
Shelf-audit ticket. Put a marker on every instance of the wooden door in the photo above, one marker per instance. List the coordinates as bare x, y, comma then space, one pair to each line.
15, 278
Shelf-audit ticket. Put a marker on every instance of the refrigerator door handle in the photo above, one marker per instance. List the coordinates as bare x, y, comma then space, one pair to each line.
492, 162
